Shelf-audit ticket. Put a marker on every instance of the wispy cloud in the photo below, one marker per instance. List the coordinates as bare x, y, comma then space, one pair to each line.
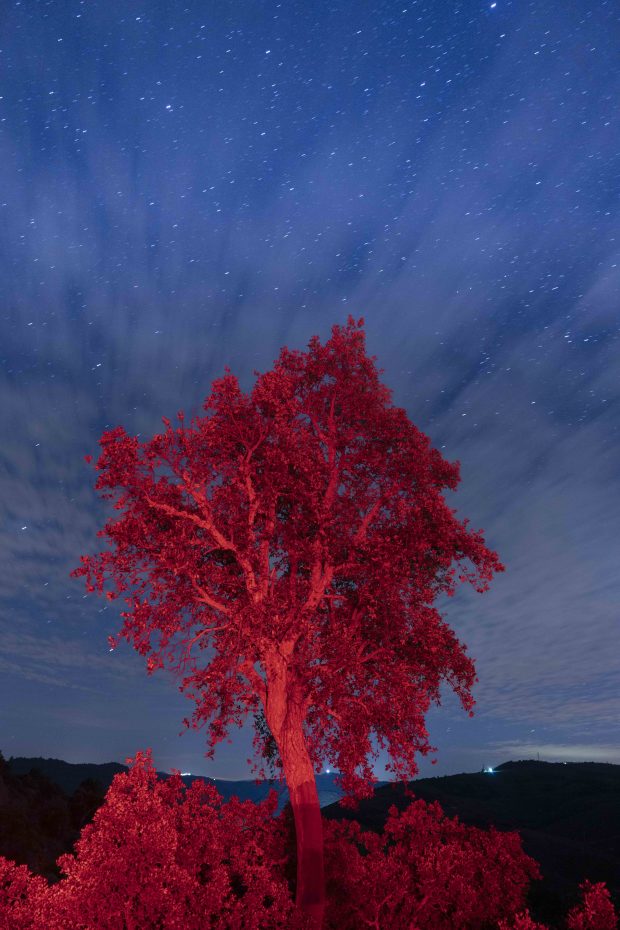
557, 752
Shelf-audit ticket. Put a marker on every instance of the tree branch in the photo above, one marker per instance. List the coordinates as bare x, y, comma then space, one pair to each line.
263, 549
206, 523
247, 668
360, 535
249, 487
205, 598
319, 582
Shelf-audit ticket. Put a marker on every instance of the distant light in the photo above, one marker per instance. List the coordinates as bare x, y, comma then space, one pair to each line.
183, 774
327, 770
489, 770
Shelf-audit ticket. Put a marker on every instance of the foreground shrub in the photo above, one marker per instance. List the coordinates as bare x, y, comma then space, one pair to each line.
426, 871
596, 912
21, 897
159, 856
522, 921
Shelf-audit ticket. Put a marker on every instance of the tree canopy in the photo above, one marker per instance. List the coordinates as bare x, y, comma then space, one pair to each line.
298, 530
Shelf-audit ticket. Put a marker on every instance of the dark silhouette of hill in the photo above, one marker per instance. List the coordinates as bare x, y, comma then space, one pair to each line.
66, 775
39, 821
568, 815
69, 775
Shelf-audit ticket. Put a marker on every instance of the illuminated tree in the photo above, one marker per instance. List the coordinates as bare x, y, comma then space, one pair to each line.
158, 855
282, 554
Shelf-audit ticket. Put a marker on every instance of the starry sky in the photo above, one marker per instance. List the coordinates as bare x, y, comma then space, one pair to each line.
189, 185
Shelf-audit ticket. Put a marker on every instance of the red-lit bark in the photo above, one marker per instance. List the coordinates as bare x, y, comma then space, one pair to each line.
299, 535
286, 715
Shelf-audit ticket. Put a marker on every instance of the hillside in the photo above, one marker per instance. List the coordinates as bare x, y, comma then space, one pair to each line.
68, 776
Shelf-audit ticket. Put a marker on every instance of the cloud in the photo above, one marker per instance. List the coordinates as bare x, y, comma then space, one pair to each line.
558, 752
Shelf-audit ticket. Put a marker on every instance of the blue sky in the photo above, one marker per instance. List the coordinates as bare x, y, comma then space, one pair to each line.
185, 189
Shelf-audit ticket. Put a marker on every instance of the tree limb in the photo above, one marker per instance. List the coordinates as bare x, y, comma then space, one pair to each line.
206, 523
205, 598
247, 668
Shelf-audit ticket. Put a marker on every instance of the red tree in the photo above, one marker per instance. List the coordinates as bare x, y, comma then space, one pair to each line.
160, 855
282, 555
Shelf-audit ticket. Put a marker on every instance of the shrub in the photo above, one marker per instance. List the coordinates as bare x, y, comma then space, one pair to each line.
21, 894
596, 912
158, 855
426, 871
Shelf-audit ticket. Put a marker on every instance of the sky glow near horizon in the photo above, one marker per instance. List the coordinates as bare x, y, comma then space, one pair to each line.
183, 189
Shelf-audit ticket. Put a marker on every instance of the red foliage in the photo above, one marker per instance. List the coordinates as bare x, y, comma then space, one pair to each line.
298, 532
522, 921
158, 856
596, 912
426, 871
21, 895
309, 512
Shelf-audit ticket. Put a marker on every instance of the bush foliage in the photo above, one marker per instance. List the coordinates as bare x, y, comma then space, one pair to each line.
160, 856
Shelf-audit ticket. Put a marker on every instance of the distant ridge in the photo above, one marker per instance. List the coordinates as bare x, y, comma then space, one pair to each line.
69, 776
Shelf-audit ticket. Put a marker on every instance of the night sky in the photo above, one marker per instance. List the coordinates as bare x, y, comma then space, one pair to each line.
188, 185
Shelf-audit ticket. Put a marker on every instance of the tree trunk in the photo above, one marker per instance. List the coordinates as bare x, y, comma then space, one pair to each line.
284, 714
304, 798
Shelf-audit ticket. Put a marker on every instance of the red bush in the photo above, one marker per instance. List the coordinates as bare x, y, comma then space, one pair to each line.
426, 871
159, 856
21, 894
522, 921
596, 912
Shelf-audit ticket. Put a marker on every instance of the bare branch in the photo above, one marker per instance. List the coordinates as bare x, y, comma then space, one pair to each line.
263, 550
205, 632
319, 582
185, 514
206, 598
363, 527
207, 523
249, 487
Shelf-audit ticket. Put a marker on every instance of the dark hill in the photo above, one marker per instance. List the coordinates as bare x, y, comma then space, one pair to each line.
568, 815
65, 774
69, 775
39, 821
